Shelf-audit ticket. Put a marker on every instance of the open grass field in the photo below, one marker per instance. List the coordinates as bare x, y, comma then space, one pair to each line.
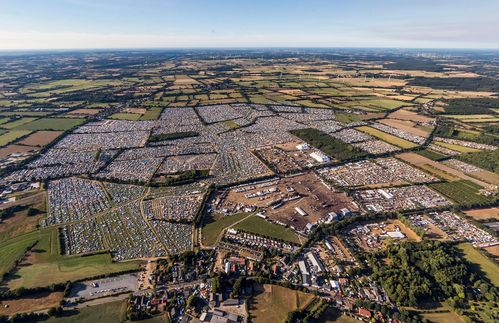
443, 317
108, 312
454, 147
12, 135
402, 143
13, 251
262, 227
272, 303
212, 230
484, 264
126, 116
44, 265
17, 123
462, 192
430, 154
152, 114
57, 124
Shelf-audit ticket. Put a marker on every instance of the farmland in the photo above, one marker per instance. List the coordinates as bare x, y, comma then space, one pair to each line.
273, 303
259, 226
463, 192
208, 172
387, 137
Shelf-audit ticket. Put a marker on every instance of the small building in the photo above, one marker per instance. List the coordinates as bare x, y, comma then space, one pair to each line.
320, 157
300, 211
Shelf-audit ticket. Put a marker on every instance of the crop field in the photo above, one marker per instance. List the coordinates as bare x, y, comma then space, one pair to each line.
462, 192
125, 116
484, 214
484, 264
40, 138
45, 266
51, 124
12, 135
257, 225
17, 123
152, 114
430, 154
272, 303
455, 147
402, 143
212, 230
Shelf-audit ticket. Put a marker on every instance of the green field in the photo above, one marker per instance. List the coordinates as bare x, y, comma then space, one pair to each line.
484, 264
394, 140
126, 116
262, 227
462, 192
152, 114
12, 135
347, 117
47, 266
430, 154
212, 230
107, 312
12, 251
454, 147
60, 124
17, 123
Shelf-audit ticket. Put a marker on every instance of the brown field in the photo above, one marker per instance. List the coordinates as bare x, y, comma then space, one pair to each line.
273, 303
88, 112
404, 114
484, 214
32, 303
405, 125
493, 251
135, 110
418, 160
10, 149
41, 138
311, 194
18, 224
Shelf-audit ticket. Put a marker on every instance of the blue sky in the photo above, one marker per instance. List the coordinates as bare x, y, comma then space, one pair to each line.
46, 24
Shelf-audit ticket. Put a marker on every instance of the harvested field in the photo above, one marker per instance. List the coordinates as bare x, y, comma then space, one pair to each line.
405, 125
404, 114
12, 135
10, 149
40, 138
493, 252
88, 112
419, 161
272, 303
484, 214
32, 303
